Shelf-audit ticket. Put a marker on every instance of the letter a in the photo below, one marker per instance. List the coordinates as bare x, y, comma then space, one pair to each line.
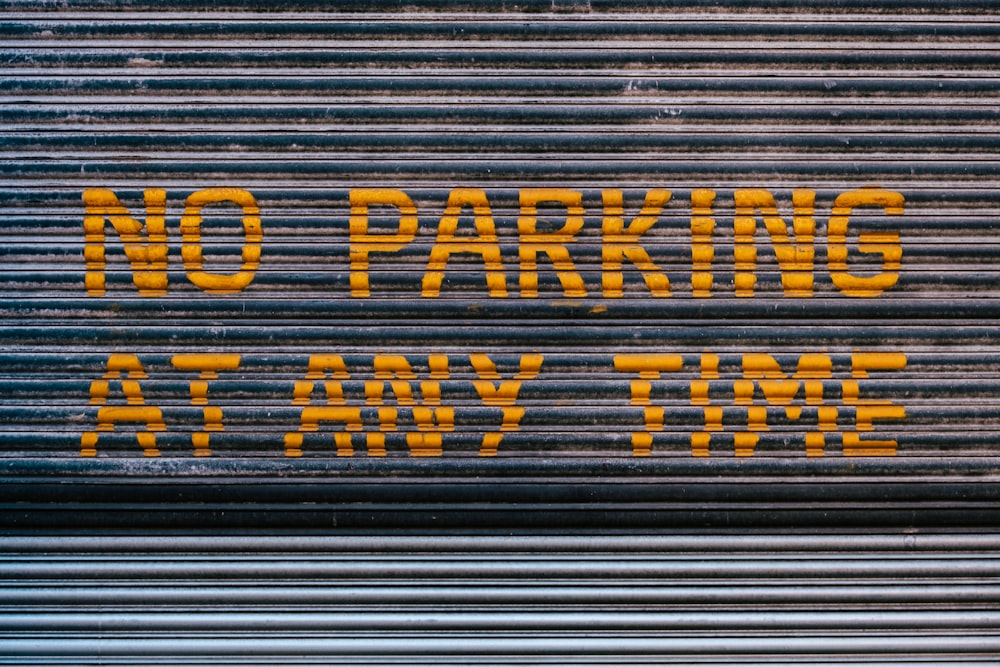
136, 409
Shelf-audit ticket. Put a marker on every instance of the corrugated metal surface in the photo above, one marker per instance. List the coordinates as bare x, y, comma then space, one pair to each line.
765, 599
556, 333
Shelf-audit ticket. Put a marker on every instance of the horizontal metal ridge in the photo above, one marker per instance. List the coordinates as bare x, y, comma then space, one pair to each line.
656, 544
981, 644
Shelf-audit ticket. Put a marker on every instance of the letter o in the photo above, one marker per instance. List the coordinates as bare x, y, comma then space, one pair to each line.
191, 252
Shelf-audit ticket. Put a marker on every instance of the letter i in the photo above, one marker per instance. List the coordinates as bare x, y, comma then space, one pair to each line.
702, 249
700, 440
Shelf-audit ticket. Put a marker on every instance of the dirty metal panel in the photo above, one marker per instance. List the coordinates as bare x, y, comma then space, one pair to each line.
643, 285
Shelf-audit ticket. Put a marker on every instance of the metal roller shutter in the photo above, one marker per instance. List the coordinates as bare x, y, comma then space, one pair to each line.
458, 333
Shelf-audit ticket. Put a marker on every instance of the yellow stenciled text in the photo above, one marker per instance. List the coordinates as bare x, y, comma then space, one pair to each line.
556, 231
350, 404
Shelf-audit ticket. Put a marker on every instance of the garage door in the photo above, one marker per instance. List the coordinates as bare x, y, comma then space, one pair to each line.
483, 333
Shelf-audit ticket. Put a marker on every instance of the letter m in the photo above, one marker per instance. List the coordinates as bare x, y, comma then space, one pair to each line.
147, 254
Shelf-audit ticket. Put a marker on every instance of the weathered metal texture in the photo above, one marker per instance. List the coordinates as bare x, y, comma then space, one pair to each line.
305, 309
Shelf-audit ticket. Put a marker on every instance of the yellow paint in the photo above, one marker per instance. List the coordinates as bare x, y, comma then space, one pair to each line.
502, 394
621, 243
649, 367
322, 366
311, 418
319, 366
207, 366
362, 243
862, 362
485, 244
438, 364
777, 389
431, 418
865, 414
491, 444
867, 410
375, 442
146, 248
764, 371
795, 257
828, 418
642, 443
700, 441
147, 254
388, 366
815, 444
702, 247
136, 410
431, 423
757, 418
886, 244
392, 371
744, 443
118, 364
191, 251
812, 368
553, 244
709, 371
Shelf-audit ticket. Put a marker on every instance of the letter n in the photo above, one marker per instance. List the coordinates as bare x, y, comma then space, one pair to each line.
147, 254
794, 252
